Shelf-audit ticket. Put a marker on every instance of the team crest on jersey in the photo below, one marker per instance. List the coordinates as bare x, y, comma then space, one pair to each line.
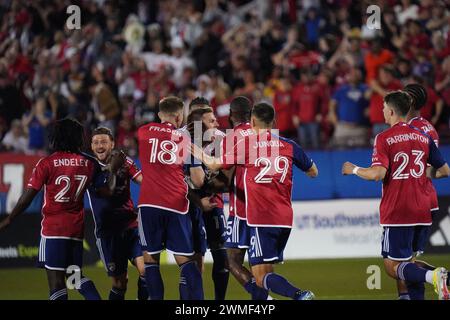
111, 266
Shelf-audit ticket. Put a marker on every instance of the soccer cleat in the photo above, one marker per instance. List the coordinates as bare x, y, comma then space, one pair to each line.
440, 283
304, 295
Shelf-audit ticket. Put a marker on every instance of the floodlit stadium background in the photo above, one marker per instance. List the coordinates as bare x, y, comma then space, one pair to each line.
298, 55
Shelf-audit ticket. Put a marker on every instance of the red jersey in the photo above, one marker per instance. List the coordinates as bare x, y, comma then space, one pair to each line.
425, 126
163, 151
65, 177
376, 103
404, 151
267, 176
236, 194
306, 102
428, 108
282, 103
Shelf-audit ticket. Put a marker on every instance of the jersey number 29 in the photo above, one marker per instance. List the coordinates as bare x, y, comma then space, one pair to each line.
280, 164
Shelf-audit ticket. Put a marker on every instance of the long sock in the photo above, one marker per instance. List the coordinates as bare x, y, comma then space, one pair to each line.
410, 272
142, 289
153, 279
220, 274
256, 292
416, 290
58, 294
276, 283
117, 294
193, 278
88, 290
183, 288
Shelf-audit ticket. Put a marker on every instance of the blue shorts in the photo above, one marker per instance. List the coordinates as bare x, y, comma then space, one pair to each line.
267, 244
401, 243
198, 229
59, 254
215, 223
160, 229
116, 250
237, 234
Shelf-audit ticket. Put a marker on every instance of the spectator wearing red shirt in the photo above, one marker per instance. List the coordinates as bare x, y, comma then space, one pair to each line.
378, 89
443, 81
432, 109
283, 104
376, 57
306, 102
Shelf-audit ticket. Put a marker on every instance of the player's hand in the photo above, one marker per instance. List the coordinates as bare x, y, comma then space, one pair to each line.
206, 204
347, 168
118, 159
5, 223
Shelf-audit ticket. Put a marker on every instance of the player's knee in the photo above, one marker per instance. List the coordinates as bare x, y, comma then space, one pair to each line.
259, 278
390, 267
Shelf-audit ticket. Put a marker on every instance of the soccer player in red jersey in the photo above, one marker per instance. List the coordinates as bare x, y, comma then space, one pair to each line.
116, 227
400, 158
65, 175
267, 162
163, 200
238, 236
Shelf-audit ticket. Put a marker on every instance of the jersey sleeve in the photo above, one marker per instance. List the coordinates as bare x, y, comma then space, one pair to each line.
39, 176
133, 169
435, 157
300, 158
380, 153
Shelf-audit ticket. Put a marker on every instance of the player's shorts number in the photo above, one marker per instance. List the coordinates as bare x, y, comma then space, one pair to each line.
164, 153
399, 174
281, 165
66, 182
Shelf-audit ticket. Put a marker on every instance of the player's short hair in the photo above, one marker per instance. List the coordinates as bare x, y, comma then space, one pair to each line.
67, 135
241, 107
103, 130
264, 112
399, 101
197, 114
199, 101
418, 94
170, 104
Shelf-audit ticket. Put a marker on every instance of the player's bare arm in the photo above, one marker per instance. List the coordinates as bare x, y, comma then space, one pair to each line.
197, 176
442, 172
138, 179
22, 204
375, 173
211, 163
313, 171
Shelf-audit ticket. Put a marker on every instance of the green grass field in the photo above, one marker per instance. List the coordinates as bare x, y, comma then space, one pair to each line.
339, 279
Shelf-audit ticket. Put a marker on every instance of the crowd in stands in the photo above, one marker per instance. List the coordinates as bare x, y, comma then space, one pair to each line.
320, 63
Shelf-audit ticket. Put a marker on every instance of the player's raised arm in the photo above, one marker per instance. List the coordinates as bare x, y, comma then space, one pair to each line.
22, 204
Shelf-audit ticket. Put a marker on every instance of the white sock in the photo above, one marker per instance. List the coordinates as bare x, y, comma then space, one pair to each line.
429, 277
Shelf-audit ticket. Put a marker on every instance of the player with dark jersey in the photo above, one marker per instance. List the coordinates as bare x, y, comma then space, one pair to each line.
116, 227
163, 200
400, 158
210, 222
266, 160
64, 175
